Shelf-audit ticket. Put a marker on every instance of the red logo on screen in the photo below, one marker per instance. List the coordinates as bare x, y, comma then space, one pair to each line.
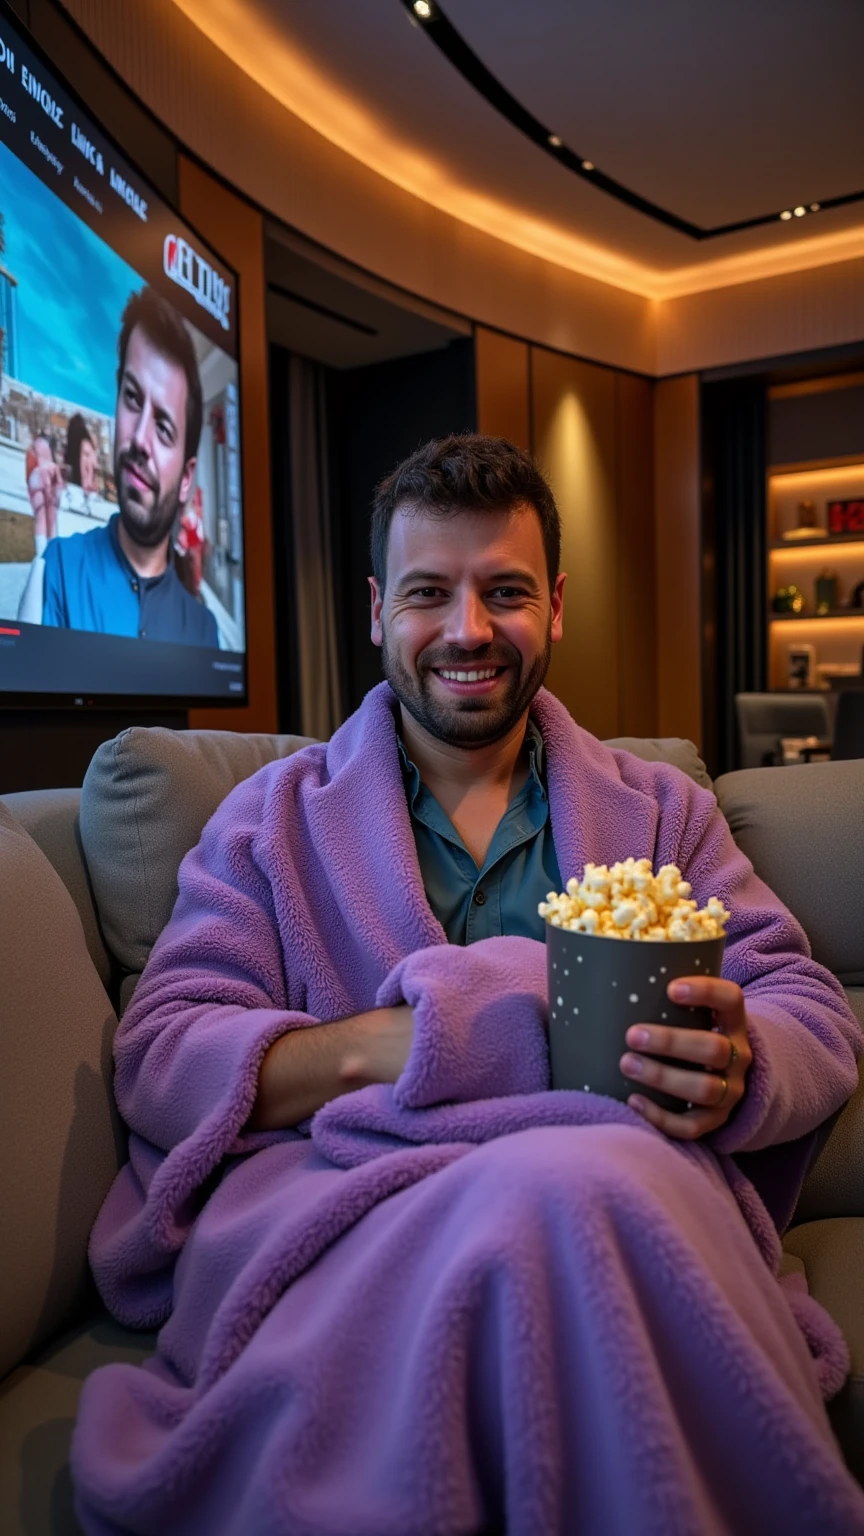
191, 272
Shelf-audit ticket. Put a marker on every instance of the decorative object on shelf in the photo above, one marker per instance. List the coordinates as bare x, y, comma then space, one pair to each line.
801, 662
857, 598
829, 673
846, 516
808, 525
826, 592
788, 600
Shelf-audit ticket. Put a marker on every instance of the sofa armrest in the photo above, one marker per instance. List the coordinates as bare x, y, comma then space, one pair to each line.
835, 1184
62, 1141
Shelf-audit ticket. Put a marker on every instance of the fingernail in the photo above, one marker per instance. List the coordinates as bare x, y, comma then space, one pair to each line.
681, 989
632, 1066
636, 1102
640, 1037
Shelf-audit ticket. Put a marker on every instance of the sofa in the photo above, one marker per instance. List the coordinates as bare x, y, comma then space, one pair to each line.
87, 881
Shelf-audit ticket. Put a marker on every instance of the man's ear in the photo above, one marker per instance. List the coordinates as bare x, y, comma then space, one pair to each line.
557, 629
377, 631
186, 479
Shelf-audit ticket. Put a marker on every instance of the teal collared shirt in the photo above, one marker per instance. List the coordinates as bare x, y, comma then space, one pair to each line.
518, 872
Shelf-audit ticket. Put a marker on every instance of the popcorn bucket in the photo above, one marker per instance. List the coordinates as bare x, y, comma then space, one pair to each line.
598, 987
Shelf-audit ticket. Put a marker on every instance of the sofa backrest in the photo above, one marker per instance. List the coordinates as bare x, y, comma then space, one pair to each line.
145, 801
803, 830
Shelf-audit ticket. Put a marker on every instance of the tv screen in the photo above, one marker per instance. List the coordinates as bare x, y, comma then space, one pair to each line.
121, 526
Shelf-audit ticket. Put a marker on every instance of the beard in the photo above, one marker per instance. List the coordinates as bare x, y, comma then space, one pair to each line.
467, 723
147, 518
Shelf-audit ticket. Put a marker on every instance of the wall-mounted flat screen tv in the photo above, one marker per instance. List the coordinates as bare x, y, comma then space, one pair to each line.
121, 518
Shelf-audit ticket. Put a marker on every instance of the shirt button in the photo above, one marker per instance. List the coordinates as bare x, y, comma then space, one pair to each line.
479, 898
134, 586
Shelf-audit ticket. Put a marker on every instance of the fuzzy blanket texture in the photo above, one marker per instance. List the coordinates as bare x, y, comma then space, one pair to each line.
463, 1303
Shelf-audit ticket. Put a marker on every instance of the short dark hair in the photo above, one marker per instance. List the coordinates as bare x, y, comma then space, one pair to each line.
163, 327
465, 472
76, 436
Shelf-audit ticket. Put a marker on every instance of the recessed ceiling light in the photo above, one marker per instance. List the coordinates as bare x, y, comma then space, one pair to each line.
800, 211
423, 9
554, 141
786, 214
587, 165
814, 207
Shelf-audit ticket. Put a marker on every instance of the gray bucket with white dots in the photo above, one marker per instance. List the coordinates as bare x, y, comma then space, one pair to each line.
599, 987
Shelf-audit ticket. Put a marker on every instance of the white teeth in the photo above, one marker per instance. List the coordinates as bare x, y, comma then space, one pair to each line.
469, 677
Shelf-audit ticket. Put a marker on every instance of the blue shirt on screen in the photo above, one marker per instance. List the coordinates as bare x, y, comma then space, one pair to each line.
90, 585
519, 871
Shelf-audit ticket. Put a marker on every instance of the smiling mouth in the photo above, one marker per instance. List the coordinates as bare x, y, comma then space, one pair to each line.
468, 675
134, 477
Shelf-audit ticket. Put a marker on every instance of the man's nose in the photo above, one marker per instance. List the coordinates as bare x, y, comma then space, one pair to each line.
142, 436
468, 622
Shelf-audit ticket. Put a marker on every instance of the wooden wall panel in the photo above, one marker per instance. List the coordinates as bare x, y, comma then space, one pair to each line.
677, 507
501, 368
573, 409
236, 232
636, 573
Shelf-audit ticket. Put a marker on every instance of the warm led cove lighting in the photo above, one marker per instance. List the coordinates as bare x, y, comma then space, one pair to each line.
423, 9
786, 214
800, 211
554, 141
587, 165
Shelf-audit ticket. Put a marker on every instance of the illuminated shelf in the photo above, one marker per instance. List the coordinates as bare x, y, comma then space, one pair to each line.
825, 540
854, 615
815, 467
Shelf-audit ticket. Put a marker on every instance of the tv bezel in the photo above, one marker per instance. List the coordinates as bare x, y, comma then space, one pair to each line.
86, 698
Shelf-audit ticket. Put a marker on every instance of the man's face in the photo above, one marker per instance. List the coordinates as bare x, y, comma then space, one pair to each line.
467, 621
152, 473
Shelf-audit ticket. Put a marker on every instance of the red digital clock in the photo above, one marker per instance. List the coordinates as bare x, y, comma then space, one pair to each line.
846, 516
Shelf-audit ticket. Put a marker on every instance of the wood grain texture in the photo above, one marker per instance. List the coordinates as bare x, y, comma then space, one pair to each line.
636, 564
573, 406
236, 232
502, 382
677, 506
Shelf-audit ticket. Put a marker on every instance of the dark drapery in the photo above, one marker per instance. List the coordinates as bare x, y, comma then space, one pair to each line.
734, 558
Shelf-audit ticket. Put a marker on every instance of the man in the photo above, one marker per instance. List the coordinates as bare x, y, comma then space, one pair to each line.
456, 1302
121, 579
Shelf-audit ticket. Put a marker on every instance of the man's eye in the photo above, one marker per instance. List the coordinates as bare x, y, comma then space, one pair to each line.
425, 592
131, 397
166, 432
507, 593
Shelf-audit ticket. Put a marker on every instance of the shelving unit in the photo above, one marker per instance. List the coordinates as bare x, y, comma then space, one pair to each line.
838, 636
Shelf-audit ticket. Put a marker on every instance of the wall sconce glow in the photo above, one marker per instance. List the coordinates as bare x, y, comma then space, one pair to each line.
554, 141
423, 9
587, 165
786, 214
814, 207
800, 211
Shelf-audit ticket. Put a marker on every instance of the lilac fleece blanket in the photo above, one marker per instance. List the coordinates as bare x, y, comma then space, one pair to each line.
463, 1303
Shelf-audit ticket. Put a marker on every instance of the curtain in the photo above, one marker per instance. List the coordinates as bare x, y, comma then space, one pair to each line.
734, 556
318, 659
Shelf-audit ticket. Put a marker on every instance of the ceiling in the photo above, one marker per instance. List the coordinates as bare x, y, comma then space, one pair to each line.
718, 113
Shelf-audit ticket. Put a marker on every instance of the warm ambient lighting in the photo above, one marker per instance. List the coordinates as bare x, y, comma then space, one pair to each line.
786, 214
554, 141
280, 66
800, 211
814, 207
423, 9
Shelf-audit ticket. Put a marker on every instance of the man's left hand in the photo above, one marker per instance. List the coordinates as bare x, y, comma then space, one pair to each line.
711, 1065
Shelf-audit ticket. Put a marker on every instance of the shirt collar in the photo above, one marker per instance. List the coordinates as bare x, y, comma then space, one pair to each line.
148, 581
536, 764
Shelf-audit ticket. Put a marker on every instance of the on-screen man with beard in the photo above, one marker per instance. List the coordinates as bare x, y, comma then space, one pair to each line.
120, 579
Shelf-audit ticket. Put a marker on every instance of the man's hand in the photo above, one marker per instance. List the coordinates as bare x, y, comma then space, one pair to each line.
306, 1068
44, 489
381, 1050
724, 1052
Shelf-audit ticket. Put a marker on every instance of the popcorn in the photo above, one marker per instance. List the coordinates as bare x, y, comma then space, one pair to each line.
628, 901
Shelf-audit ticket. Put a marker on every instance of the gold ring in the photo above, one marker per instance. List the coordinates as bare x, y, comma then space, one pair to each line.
725, 1082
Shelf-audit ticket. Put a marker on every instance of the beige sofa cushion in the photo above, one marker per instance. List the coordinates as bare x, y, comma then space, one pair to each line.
61, 1140
146, 798
676, 750
803, 829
